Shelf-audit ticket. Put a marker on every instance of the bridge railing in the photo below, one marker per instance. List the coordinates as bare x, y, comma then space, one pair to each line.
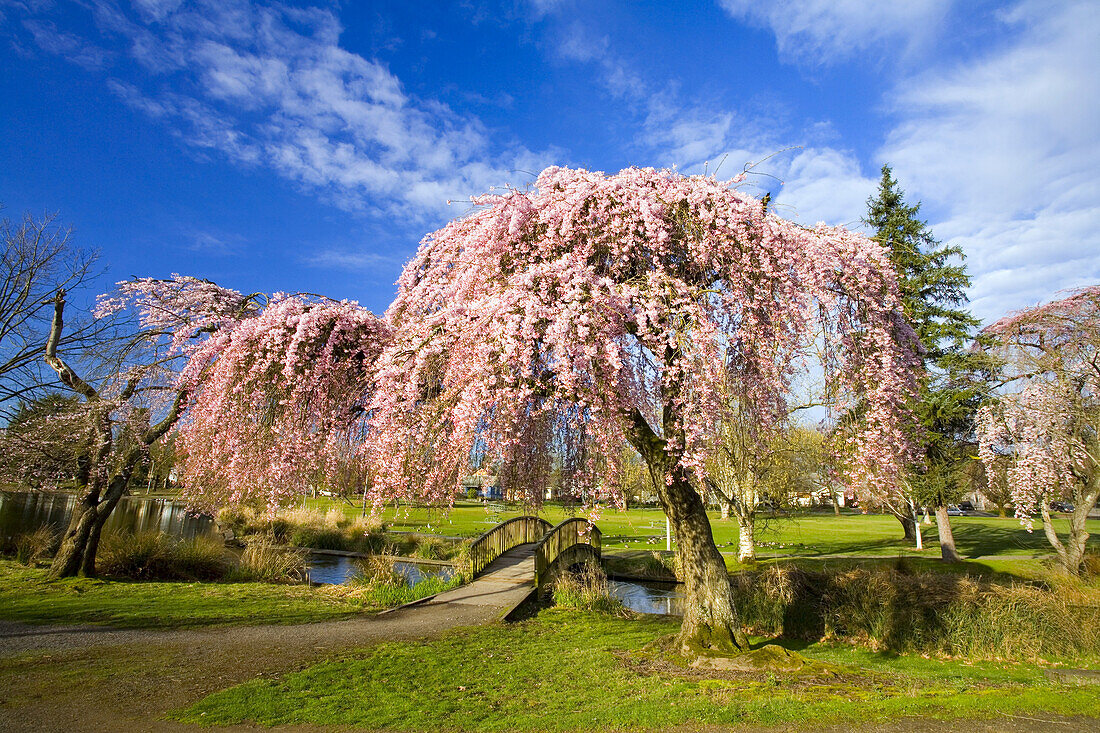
571, 532
503, 537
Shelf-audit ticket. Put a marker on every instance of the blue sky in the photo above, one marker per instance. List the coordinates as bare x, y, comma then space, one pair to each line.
309, 148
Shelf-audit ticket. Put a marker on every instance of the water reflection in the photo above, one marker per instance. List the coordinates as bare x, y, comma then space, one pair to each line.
27, 511
649, 597
338, 569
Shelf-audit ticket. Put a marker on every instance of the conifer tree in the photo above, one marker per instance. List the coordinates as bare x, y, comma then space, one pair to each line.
932, 281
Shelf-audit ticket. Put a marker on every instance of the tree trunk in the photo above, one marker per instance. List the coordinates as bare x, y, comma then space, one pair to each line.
947, 537
69, 559
710, 618
1072, 553
746, 543
726, 505
836, 502
909, 527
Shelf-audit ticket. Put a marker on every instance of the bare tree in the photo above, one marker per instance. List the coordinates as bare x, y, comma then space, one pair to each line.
39, 259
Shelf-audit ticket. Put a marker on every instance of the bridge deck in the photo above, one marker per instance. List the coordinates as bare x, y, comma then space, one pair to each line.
505, 583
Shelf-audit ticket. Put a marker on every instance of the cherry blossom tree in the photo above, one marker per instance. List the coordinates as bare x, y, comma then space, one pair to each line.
598, 309
278, 403
1046, 427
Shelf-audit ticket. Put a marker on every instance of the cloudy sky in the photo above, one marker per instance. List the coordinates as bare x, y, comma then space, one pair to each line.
309, 148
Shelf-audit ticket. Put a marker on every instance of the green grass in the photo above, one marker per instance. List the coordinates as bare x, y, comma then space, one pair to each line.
584, 671
992, 545
26, 595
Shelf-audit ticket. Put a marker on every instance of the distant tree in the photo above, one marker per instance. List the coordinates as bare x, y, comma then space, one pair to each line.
45, 444
932, 281
613, 308
746, 473
1043, 434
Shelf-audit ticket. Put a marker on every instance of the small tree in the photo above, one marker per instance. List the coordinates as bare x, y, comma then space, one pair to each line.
746, 473
611, 309
932, 281
1047, 428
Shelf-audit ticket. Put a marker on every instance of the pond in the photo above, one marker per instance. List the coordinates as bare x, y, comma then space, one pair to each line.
26, 511
339, 569
666, 599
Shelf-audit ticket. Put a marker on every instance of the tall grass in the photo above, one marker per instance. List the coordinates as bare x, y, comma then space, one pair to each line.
378, 583
585, 590
332, 530
30, 547
908, 612
266, 561
157, 556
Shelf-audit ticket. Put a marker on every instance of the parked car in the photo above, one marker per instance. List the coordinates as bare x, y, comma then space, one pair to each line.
1061, 506
966, 506
954, 511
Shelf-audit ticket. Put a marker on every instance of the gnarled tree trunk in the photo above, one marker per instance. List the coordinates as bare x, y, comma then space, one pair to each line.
908, 527
710, 617
1071, 553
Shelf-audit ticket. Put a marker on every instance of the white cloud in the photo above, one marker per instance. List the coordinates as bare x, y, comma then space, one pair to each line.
822, 31
1004, 151
814, 183
271, 86
53, 40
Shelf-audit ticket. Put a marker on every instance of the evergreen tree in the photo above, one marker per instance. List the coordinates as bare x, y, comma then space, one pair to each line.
932, 279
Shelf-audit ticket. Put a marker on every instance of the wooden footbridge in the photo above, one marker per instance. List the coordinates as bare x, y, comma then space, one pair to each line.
521, 557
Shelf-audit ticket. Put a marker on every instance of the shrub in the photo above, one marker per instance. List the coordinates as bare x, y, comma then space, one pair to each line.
921, 612
586, 590
157, 556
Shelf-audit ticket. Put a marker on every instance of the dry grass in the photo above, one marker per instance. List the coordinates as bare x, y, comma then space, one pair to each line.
901, 611
586, 590
157, 556
263, 560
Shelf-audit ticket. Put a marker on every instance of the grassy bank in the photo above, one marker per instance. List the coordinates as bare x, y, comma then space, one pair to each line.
584, 671
26, 595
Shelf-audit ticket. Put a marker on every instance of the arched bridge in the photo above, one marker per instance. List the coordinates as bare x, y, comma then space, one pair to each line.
521, 556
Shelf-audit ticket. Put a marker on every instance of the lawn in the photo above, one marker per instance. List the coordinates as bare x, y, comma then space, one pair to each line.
26, 595
999, 542
565, 670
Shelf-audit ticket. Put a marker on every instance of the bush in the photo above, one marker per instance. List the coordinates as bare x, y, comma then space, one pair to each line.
908, 612
264, 560
586, 590
156, 556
